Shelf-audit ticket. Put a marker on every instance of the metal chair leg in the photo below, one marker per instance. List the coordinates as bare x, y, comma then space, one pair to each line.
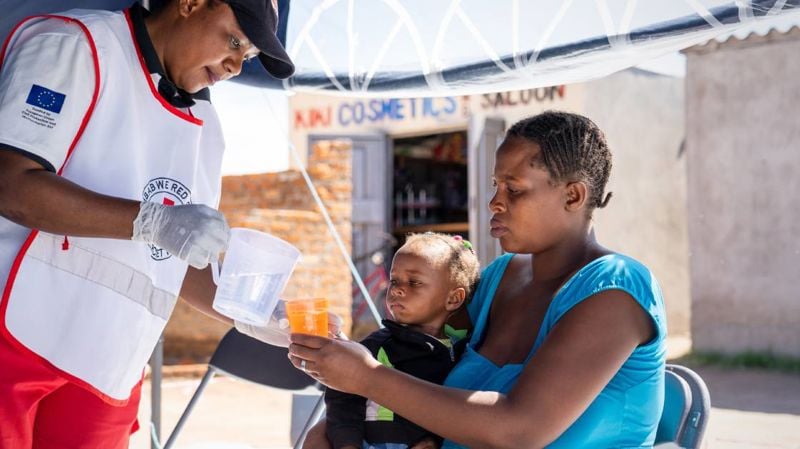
188, 410
156, 365
316, 414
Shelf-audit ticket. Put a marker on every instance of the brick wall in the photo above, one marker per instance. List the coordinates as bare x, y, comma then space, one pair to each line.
281, 204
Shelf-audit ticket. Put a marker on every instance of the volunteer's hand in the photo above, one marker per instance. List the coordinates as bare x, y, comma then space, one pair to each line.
195, 233
276, 331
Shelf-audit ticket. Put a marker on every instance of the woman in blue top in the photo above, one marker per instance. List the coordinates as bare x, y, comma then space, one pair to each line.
567, 349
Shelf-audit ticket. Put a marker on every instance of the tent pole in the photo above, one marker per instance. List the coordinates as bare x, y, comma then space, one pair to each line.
324, 211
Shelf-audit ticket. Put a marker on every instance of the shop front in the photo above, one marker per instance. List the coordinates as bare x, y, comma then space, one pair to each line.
421, 164
426, 165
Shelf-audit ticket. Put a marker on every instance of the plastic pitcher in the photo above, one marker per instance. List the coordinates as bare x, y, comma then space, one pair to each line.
255, 271
308, 316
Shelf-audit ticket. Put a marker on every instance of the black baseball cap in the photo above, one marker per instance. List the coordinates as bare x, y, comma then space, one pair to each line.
259, 21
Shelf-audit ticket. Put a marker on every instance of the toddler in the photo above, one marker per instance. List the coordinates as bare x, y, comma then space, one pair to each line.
432, 276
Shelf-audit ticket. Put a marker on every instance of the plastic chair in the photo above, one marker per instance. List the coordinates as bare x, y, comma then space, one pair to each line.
246, 358
687, 405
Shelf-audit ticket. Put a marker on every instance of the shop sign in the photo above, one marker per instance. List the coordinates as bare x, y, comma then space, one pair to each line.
373, 111
358, 113
522, 97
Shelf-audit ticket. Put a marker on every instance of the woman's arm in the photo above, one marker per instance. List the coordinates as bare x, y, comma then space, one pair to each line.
36, 198
39, 199
198, 290
579, 357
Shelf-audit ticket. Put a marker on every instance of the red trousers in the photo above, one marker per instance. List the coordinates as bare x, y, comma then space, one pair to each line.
41, 410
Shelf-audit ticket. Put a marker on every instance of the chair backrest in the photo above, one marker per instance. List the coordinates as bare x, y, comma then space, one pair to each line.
695, 427
687, 406
677, 401
247, 358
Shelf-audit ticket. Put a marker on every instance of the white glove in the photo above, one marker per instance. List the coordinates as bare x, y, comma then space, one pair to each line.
276, 331
195, 233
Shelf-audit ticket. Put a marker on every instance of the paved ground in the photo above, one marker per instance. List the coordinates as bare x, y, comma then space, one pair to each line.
751, 410
230, 415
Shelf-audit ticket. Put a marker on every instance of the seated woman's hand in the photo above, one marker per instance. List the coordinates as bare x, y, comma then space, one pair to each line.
339, 364
276, 331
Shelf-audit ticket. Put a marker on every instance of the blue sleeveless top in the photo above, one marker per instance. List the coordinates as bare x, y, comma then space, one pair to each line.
626, 412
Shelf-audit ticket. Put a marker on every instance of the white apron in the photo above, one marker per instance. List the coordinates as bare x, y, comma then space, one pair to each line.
95, 308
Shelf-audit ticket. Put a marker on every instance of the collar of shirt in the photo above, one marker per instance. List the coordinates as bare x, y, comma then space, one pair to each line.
172, 93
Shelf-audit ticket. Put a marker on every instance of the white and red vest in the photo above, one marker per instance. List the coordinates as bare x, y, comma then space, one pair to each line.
93, 309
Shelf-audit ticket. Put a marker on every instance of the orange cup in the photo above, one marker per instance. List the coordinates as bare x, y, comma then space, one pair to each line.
308, 316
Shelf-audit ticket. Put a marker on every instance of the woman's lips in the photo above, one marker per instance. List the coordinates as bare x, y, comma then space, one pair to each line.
496, 229
498, 232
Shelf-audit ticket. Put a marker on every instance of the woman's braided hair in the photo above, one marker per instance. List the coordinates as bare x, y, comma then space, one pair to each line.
572, 147
460, 258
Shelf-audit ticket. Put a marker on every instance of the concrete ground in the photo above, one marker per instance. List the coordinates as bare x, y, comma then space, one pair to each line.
751, 409
230, 414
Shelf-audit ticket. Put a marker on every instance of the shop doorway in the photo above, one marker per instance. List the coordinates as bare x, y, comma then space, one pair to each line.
442, 183
437, 182
429, 184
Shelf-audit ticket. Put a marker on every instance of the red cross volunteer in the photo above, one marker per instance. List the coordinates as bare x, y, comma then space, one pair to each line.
110, 155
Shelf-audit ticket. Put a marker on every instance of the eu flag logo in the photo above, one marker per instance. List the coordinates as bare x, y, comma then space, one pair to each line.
45, 98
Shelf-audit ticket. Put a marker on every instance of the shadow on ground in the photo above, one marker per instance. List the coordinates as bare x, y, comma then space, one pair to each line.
749, 389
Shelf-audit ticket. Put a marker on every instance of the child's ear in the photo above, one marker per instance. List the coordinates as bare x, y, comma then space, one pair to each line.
455, 299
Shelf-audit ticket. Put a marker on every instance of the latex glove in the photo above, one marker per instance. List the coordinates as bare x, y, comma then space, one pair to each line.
276, 331
194, 233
